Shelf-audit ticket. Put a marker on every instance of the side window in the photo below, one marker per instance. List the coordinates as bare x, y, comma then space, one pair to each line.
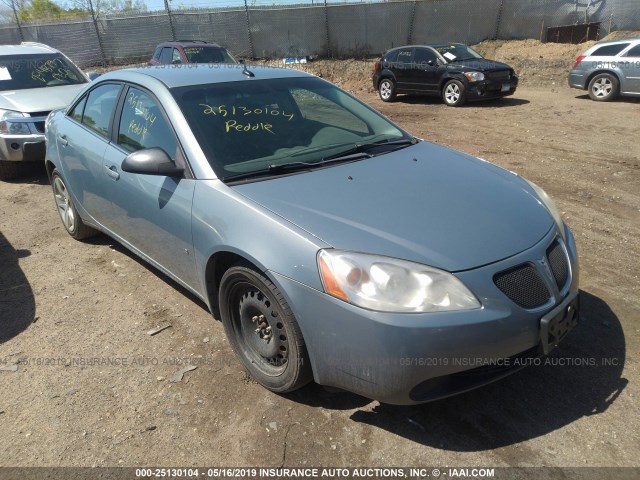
142, 125
634, 52
165, 56
423, 56
609, 50
405, 56
99, 107
391, 56
320, 109
77, 111
157, 53
175, 56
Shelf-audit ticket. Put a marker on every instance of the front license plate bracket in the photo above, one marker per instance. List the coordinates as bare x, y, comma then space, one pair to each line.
555, 325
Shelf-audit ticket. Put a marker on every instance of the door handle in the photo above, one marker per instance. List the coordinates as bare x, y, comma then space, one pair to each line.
112, 171
63, 140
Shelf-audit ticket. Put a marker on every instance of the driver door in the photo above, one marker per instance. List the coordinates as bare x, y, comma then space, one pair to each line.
152, 213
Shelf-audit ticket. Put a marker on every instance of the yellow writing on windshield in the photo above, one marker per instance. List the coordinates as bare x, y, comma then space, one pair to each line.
233, 126
263, 110
54, 67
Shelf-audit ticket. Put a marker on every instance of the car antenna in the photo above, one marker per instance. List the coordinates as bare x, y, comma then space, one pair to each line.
245, 70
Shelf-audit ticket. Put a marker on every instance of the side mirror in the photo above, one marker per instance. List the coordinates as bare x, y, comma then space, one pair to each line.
177, 61
93, 75
151, 161
431, 63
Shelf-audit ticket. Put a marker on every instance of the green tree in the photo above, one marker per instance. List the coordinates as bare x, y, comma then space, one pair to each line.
40, 10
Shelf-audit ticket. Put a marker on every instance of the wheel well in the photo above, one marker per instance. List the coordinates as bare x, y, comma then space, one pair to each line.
219, 263
443, 82
50, 167
598, 72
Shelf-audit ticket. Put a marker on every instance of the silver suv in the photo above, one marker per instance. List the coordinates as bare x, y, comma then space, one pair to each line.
34, 80
608, 69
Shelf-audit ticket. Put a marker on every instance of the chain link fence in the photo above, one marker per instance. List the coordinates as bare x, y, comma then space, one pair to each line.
319, 28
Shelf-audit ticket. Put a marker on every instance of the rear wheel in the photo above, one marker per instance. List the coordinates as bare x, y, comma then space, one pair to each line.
262, 330
454, 94
387, 90
603, 87
72, 222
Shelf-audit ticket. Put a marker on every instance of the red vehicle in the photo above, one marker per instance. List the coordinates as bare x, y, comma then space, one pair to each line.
190, 51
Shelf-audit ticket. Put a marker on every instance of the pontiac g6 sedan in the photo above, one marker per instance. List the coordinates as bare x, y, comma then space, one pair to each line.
333, 245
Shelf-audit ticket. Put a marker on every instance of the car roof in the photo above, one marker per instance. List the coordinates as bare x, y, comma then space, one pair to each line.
434, 45
200, 74
188, 43
618, 41
26, 48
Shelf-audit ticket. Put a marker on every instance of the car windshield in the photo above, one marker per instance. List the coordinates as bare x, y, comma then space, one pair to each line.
457, 53
250, 127
208, 55
19, 72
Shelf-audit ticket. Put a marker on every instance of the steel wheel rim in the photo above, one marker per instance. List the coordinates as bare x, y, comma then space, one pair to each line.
259, 328
602, 87
452, 93
63, 202
385, 89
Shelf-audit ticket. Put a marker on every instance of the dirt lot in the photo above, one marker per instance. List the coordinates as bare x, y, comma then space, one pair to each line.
63, 303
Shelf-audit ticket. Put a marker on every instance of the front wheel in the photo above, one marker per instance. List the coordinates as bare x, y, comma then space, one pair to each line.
454, 94
262, 330
603, 87
387, 90
72, 222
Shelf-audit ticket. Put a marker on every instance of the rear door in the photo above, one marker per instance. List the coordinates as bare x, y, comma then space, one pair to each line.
631, 70
82, 140
402, 69
150, 212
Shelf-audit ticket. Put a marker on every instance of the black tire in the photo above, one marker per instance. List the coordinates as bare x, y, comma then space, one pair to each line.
262, 330
387, 90
71, 220
8, 170
603, 87
454, 93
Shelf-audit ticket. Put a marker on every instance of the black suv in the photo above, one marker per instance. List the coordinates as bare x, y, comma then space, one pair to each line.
453, 71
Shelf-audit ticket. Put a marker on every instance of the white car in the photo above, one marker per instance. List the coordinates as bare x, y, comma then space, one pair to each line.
34, 80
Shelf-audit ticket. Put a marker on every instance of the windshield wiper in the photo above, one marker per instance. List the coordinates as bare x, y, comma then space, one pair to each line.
356, 152
365, 147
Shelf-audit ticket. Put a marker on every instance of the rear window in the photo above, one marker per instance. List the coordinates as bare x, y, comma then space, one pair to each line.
207, 55
634, 52
609, 50
19, 72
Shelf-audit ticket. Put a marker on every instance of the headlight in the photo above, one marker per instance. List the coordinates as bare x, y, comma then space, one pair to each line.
13, 128
391, 285
549, 205
474, 76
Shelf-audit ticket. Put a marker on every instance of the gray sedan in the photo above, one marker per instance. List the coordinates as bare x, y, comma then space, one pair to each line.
333, 245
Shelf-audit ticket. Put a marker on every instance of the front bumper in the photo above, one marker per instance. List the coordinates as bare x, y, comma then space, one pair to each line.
411, 358
22, 148
492, 88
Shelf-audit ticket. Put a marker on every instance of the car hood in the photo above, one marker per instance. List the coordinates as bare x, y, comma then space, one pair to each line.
480, 65
39, 99
424, 203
